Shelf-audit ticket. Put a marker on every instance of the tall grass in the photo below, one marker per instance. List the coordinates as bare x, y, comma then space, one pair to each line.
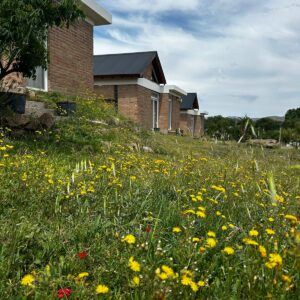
81, 208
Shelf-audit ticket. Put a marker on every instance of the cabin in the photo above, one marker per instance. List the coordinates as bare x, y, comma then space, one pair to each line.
135, 83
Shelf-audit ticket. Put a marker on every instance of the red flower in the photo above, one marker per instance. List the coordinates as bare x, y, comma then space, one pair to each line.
147, 229
64, 293
82, 255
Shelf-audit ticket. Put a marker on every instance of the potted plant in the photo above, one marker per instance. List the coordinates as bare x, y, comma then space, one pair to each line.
13, 94
66, 108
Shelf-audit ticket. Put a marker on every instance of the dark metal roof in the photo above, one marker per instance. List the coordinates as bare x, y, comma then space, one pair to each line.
128, 64
190, 101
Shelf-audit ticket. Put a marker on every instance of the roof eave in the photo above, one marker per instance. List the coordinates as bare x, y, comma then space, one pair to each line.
97, 14
174, 89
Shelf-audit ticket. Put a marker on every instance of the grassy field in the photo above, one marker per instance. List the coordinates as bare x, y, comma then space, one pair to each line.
85, 214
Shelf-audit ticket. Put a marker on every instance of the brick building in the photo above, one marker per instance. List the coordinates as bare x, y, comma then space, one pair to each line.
191, 119
70, 70
136, 83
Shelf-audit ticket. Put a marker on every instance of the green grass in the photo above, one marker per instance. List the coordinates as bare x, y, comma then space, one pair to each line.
83, 187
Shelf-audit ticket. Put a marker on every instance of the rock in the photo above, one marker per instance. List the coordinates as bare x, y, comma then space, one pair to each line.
147, 149
98, 122
114, 121
46, 120
16, 121
31, 93
268, 143
133, 146
33, 125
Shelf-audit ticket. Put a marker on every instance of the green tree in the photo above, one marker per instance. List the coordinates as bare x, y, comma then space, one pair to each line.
23, 31
268, 128
292, 116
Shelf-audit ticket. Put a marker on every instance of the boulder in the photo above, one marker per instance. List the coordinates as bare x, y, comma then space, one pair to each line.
268, 143
46, 120
147, 149
16, 121
33, 125
114, 121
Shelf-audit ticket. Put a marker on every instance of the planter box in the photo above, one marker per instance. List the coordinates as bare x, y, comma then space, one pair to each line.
16, 102
66, 108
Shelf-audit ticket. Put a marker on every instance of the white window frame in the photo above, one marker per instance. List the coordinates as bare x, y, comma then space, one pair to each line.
170, 112
45, 89
155, 101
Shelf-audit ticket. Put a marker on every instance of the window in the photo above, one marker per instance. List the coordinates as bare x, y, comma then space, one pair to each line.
170, 112
155, 110
41, 81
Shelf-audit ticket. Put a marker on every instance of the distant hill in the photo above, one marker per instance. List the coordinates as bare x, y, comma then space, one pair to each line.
275, 118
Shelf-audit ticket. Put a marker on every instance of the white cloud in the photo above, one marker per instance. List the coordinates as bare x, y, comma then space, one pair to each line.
226, 50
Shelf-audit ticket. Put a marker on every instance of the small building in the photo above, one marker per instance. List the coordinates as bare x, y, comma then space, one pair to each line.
70, 69
136, 84
191, 119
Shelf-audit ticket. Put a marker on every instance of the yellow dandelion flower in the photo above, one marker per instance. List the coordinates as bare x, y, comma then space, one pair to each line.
134, 265
211, 243
189, 211
186, 280
211, 234
224, 228
81, 276
262, 250
28, 280
165, 273
253, 232
201, 214
176, 229
270, 231
228, 250
271, 219
201, 283
291, 218
195, 240
135, 281
168, 270
102, 289
286, 278
250, 242
275, 260
129, 239
194, 287
202, 249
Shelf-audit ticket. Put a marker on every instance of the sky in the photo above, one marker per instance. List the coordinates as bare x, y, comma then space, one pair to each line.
242, 57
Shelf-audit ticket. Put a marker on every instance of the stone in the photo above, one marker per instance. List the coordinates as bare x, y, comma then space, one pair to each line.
46, 120
267, 143
16, 121
147, 149
114, 121
31, 94
33, 125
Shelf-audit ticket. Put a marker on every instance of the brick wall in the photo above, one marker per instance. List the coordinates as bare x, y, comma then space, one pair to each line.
148, 72
164, 113
135, 102
144, 107
105, 91
186, 124
176, 113
71, 59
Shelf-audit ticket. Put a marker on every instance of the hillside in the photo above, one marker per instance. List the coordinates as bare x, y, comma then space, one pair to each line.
87, 213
